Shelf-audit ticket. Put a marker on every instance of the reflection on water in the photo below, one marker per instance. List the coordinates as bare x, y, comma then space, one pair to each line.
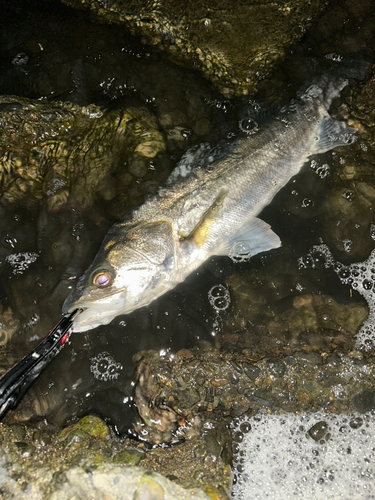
41, 251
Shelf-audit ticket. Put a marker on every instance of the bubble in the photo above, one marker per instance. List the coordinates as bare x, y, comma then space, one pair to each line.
104, 367
279, 146
217, 326
245, 427
307, 203
238, 437
318, 430
348, 195
344, 274
318, 256
348, 245
334, 57
219, 297
20, 59
356, 423
10, 240
249, 125
21, 261
240, 251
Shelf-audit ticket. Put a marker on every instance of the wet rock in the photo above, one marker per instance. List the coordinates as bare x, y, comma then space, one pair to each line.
276, 368
9, 324
148, 489
125, 484
205, 34
305, 380
101, 464
307, 322
213, 446
75, 437
215, 493
18, 431
89, 426
346, 226
63, 152
252, 371
128, 457
364, 400
26, 450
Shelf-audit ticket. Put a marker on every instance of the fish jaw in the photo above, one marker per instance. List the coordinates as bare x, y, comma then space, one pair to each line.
94, 313
88, 319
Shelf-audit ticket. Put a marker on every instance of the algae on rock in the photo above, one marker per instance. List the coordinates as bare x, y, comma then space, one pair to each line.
235, 44
60, 151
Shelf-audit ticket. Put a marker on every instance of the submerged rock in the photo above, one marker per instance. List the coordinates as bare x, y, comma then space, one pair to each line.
300, 358
350, 201
234, 44
64, 153
228, 383
9, 324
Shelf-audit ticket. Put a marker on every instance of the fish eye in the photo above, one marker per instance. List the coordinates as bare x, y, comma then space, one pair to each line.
102, 279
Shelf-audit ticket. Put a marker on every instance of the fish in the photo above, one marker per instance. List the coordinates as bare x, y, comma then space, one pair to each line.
208, 207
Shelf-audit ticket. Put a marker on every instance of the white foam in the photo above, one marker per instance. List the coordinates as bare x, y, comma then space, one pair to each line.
21, 261
278, 459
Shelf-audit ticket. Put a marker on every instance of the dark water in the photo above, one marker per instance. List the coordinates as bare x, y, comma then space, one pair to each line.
49, 50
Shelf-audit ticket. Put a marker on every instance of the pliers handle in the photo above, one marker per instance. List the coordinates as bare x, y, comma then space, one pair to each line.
16, 381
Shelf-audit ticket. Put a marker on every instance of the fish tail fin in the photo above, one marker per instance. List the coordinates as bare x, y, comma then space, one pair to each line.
328, 84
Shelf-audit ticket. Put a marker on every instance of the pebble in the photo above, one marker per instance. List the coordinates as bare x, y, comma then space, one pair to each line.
318, 430
89, 426
19, 432
148, 490
128, 457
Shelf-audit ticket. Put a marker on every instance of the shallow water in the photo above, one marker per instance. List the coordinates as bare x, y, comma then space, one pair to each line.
40, 250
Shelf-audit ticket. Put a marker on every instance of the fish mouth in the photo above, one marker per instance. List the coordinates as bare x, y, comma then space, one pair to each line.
93, 313
88, 318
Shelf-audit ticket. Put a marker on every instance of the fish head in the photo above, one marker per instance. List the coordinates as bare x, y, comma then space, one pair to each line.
132, 268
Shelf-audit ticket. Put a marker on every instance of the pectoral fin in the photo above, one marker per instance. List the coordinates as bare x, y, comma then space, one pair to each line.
203, 230
252, 238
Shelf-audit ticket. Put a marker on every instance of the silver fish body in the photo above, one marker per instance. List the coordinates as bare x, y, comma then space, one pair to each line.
209, 210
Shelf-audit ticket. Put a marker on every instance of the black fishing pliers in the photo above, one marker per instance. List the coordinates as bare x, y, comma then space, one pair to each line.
16, 381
